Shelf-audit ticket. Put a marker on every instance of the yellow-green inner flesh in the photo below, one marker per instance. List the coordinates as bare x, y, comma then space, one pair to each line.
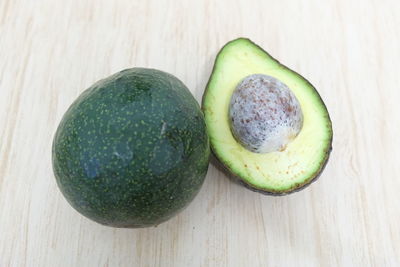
303, 158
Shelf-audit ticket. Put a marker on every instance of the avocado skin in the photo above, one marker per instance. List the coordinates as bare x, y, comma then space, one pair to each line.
221, 166
132, 150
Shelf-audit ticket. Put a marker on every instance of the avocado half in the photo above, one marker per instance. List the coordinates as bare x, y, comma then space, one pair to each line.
277, 172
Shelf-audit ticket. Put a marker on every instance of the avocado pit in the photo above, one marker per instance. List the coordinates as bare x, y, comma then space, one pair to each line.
264, 114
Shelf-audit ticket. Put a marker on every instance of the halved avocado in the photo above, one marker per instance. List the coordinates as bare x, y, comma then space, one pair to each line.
277, 172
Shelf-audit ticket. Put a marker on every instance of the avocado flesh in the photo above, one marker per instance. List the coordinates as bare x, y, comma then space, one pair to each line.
275, 172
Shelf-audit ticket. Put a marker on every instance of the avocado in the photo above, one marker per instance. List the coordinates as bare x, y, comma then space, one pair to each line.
132, 150
267, 124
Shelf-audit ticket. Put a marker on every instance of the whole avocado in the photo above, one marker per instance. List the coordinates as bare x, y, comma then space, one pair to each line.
132, 150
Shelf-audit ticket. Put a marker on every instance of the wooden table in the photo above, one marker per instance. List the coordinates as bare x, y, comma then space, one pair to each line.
50, 51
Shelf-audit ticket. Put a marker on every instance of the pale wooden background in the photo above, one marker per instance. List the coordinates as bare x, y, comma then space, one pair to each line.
50, 51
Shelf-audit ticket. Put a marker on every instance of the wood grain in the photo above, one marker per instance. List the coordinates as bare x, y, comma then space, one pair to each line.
51, 50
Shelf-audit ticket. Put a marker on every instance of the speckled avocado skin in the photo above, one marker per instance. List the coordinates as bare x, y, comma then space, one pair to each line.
132, 150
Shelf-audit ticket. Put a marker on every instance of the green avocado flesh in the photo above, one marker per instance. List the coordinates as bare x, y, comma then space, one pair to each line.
132, 150
279, 172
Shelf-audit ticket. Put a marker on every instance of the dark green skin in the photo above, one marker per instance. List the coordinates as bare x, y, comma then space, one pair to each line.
132, 150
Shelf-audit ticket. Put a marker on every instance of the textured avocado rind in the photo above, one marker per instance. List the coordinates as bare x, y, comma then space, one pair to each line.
132, 150
225, 166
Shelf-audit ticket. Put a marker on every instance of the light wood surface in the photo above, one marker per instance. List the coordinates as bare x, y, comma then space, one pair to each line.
51, 50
